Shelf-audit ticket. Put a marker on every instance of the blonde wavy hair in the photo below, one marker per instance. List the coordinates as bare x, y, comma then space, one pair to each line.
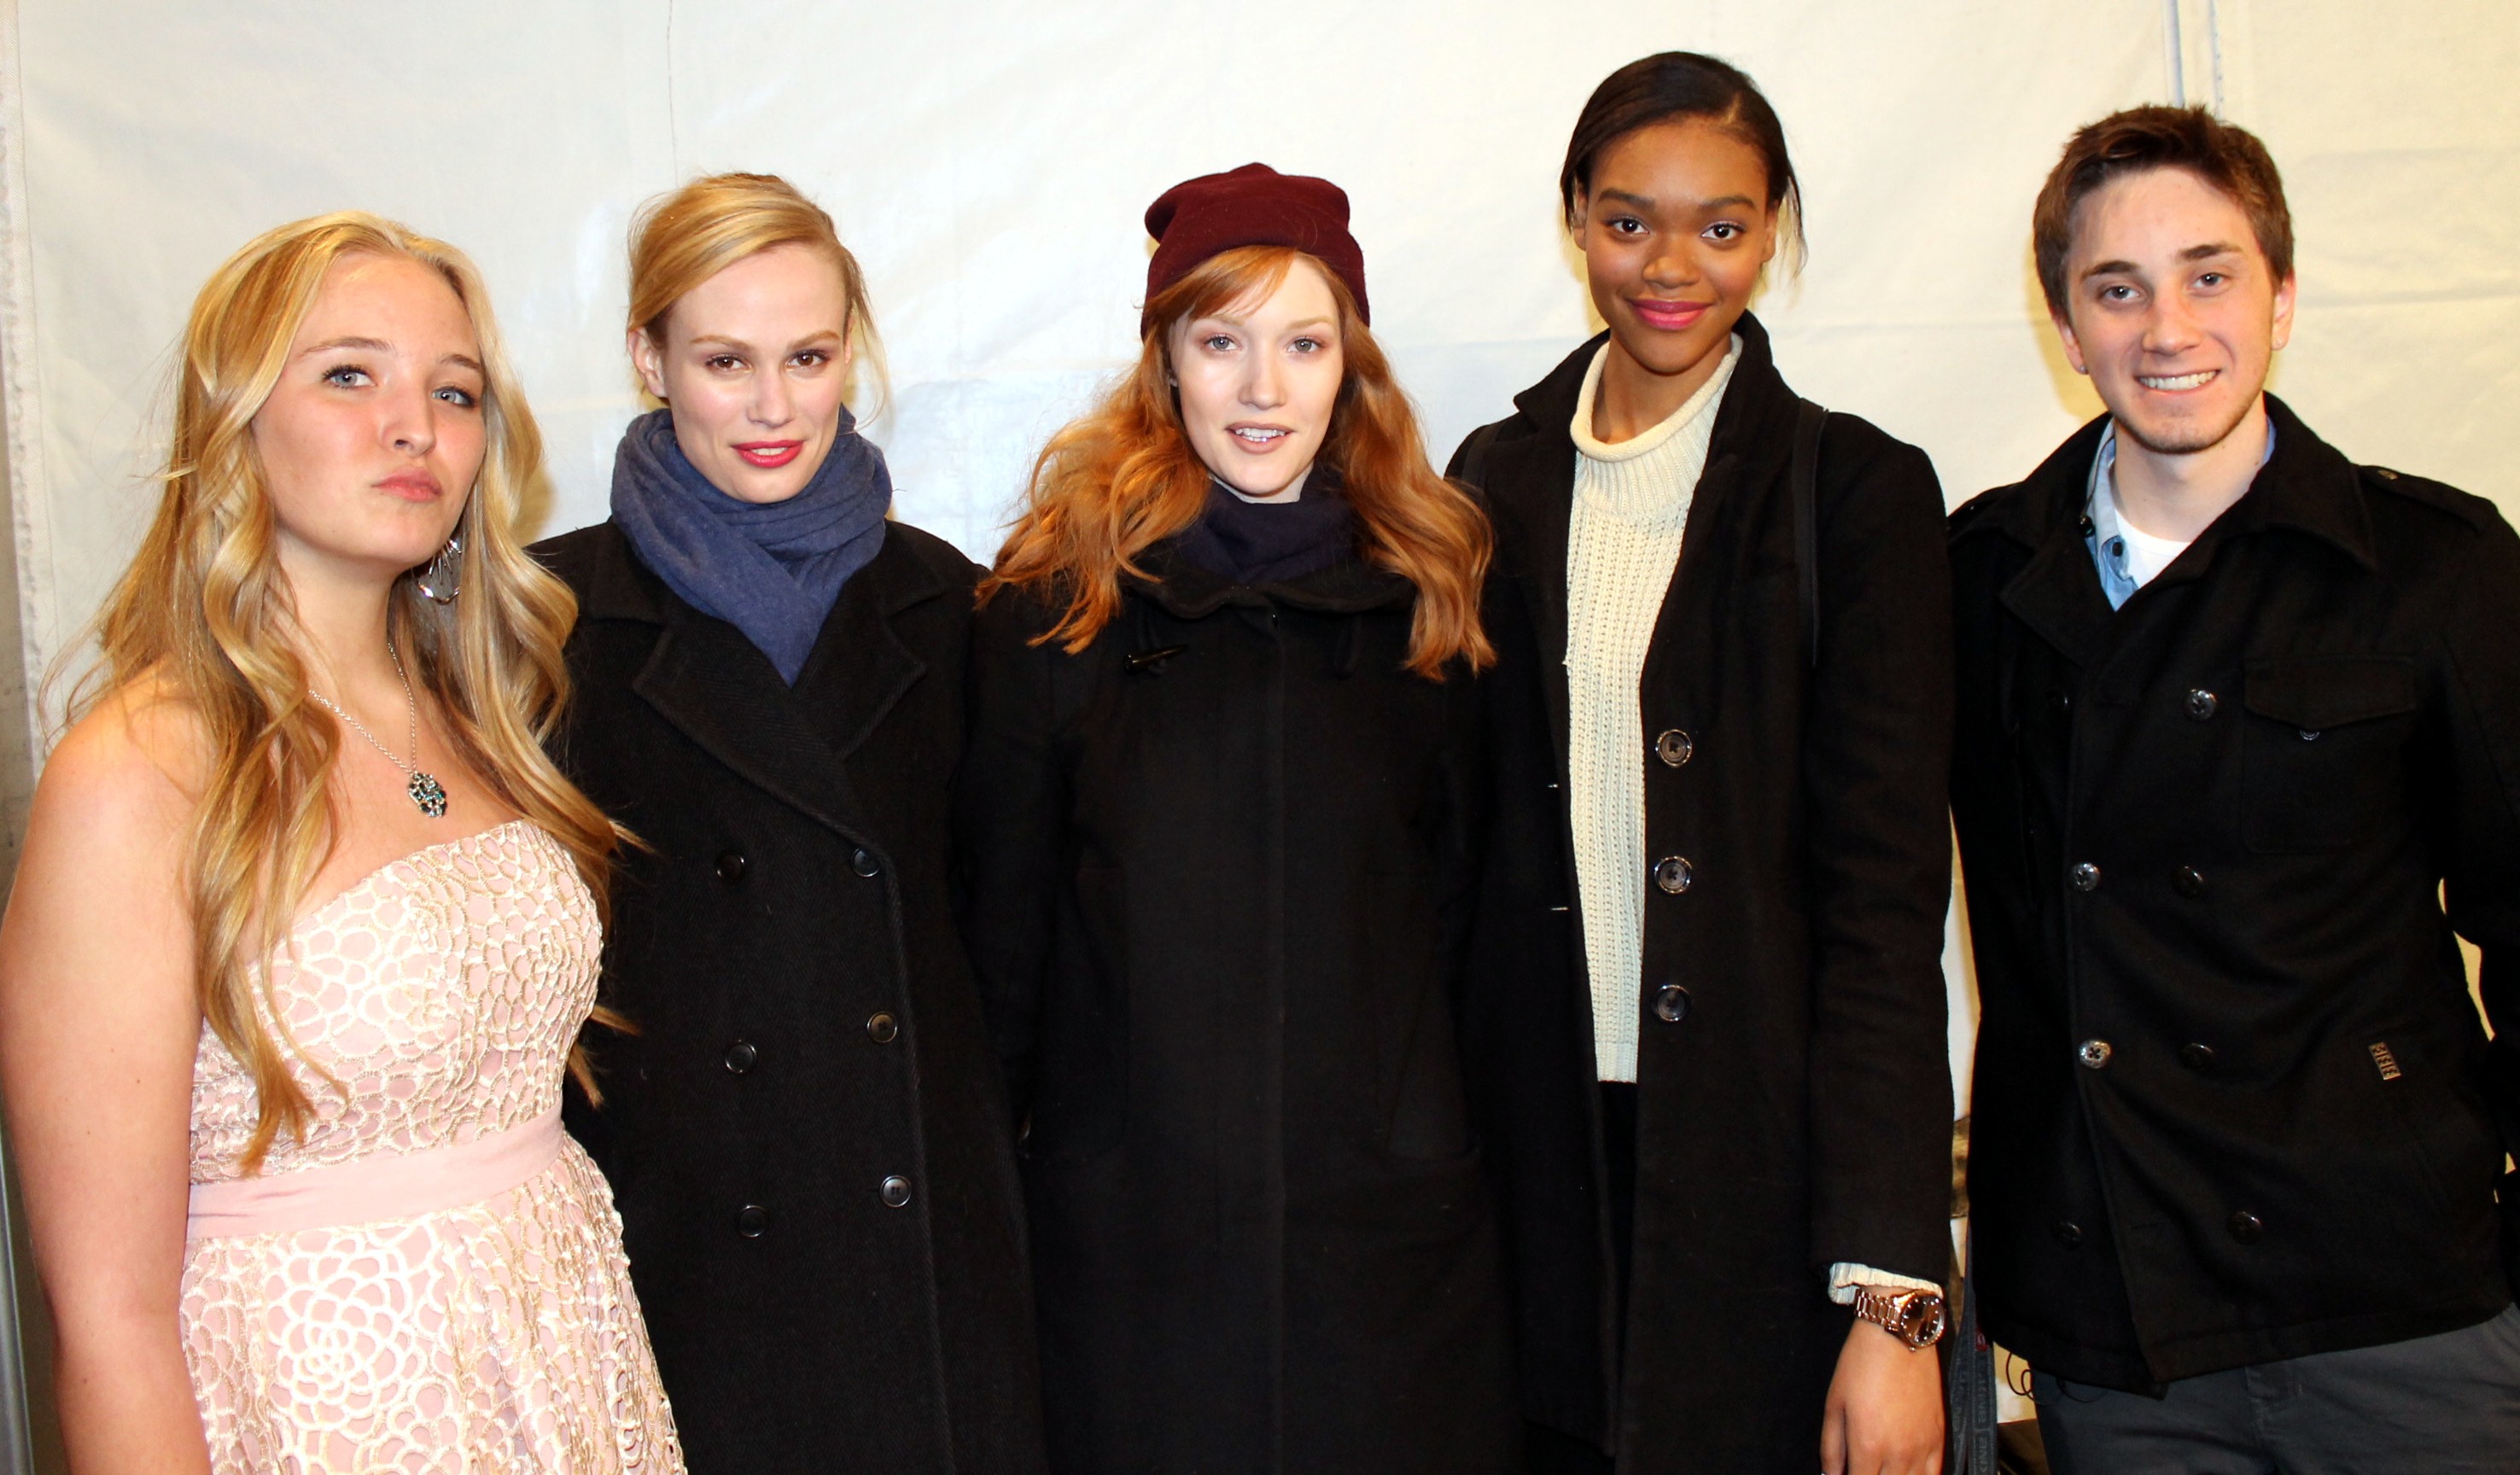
205, 614
682, 239
1124, 477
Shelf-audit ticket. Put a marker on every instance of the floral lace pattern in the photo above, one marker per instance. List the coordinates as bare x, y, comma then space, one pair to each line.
440, 993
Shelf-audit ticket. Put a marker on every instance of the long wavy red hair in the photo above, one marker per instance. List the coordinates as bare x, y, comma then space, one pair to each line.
1124, 477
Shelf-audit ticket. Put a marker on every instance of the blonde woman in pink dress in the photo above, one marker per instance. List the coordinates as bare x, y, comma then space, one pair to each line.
305, 926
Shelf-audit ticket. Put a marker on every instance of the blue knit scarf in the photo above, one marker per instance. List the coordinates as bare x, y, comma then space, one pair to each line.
770, 569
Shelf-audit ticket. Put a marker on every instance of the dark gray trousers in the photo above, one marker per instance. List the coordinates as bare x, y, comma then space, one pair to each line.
2443, 1406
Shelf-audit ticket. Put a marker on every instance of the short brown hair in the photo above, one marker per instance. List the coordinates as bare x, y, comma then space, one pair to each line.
2230, 158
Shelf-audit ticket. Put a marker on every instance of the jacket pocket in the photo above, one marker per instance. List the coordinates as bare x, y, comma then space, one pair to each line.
2323, 748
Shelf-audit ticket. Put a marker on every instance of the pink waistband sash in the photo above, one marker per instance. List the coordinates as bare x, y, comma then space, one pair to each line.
385, 1185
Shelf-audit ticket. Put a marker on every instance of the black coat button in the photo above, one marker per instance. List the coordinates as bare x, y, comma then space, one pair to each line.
2197, 1057
2245, 1226
730, 866
863, 861
2068, 1233
2200, 705
882, 1028
1671, 1004
1673, 873
753, 1220
2094, 1053
2189, 881
2085, 876
2059, 699
1675, 747
896, 1192
2086, 526
739, 1056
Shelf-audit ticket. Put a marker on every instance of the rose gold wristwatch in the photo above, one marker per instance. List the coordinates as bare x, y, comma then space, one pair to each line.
1914, 1317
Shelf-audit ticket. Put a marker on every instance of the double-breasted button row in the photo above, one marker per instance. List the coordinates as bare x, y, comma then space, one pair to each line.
1675, 747
731, 865
1673, 873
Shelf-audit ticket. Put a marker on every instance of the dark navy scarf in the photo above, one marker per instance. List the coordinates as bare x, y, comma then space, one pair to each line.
1272, 542
770, 569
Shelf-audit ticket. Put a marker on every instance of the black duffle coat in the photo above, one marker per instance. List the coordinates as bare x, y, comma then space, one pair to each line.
2233, 1103
1222, 864
806, 1138
1793, 1073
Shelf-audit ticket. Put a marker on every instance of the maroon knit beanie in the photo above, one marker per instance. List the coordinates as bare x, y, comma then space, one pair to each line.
1254, 205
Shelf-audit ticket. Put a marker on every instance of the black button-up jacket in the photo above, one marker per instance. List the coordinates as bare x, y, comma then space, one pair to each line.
2234, 1101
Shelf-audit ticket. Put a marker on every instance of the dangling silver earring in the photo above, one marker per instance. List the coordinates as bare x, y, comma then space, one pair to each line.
443, 579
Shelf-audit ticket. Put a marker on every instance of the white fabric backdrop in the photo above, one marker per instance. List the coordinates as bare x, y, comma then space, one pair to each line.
989, 160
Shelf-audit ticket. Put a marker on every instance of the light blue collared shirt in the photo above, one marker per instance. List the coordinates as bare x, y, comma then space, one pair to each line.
2108, 539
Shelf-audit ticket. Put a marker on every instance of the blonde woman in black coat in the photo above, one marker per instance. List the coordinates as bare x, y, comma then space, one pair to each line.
1709, 1022
805, 1133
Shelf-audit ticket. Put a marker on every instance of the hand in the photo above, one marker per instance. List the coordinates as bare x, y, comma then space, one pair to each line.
1885, 1408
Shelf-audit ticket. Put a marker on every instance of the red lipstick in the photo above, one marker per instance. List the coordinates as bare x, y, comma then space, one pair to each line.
768, 454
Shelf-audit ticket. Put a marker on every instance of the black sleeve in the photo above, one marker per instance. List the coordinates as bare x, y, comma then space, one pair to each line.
1010, 810
2481, 883
1876, 753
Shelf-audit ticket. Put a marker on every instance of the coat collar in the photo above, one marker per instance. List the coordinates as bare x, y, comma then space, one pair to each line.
2307, 486
706, 680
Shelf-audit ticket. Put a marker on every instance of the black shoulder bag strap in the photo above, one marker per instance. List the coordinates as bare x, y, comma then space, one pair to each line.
1809, 418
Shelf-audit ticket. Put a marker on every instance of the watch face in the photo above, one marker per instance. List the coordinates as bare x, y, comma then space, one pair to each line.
1921, 1319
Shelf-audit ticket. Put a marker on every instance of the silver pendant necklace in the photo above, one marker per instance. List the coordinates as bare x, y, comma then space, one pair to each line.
424, 788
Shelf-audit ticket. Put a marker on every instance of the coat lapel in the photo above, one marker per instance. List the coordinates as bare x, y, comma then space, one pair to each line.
709, 681
2057, 593
860, 667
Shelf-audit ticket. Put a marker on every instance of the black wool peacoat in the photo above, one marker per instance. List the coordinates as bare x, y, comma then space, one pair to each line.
1793, 1076
1221, 862
2233, 1103
807, 1135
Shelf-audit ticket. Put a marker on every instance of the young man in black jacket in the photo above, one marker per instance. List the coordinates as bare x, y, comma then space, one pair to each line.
2238, 752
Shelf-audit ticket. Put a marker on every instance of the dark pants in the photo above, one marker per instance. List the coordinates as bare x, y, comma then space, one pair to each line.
2441, 1406
1552, 1451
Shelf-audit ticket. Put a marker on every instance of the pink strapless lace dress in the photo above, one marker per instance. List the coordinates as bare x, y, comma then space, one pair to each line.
362, 1305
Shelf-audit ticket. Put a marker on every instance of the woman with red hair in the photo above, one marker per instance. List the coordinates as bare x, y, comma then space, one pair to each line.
1223, 815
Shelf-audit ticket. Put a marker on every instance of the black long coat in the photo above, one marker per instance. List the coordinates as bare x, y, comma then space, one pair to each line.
2233, 1103
1795, 1110
807, 1136
1222, 863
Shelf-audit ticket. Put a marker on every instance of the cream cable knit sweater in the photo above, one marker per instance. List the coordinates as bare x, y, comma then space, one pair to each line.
1631, 505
